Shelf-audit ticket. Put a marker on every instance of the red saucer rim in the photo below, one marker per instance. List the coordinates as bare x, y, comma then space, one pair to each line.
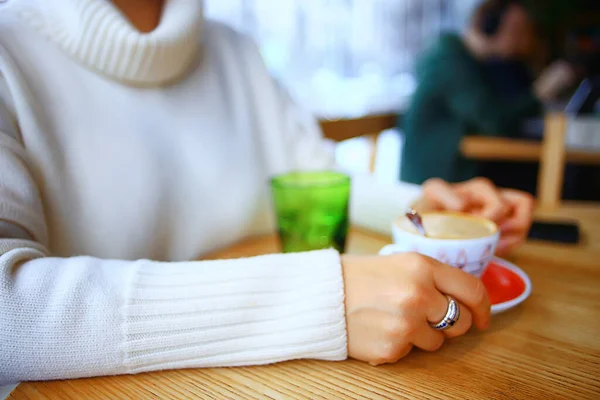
506, 305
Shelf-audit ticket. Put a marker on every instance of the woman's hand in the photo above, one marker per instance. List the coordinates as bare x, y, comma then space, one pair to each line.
391, 300
511, 209
515, 226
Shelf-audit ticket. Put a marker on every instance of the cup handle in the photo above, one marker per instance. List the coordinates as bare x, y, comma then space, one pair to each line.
389, 250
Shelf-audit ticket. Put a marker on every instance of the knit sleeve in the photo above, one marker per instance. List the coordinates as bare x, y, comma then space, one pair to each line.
82, 316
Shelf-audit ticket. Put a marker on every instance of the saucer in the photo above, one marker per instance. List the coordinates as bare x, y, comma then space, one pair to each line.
507, 285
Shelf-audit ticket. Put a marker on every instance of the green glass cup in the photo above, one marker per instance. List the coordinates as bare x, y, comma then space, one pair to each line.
312, 210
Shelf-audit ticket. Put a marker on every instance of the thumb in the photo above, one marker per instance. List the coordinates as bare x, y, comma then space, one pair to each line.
441, 195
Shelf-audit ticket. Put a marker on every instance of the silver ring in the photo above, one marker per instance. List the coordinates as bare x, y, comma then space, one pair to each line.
452, 315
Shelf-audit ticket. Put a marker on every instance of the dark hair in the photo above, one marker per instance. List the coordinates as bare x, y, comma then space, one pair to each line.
489, 15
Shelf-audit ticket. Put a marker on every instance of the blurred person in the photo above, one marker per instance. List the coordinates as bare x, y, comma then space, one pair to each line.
455, 97
136, 136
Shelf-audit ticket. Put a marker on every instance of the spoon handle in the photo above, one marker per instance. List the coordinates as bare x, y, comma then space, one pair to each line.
416, 220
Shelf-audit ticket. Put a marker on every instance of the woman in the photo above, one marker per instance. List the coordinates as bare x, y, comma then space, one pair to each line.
455, 96
131, 134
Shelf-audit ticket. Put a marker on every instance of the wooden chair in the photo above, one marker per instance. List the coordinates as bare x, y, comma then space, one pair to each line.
552, 154
369, 126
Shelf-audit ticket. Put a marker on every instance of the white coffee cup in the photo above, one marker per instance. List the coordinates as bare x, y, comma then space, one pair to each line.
461, 240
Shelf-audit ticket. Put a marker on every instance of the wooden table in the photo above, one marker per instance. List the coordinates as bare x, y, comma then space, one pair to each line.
547, 348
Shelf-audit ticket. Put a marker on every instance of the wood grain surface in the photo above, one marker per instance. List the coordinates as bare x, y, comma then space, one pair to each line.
547, 348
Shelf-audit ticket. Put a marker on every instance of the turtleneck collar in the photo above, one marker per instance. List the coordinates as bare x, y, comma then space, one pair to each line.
96, 34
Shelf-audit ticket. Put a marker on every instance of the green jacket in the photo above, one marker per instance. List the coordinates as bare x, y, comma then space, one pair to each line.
452, 100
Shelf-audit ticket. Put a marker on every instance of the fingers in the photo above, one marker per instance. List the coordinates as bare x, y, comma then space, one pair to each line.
521, 205
514, 229
428, 339
441, 195
476, 195
439, 311
438, 305
509, 243
462, 326
467, 289
391, 356
483, 194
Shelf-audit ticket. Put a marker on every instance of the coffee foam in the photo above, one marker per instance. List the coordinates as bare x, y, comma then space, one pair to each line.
439, 225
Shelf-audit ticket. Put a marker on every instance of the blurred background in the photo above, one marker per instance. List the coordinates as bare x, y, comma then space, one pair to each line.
351, 58
344, 58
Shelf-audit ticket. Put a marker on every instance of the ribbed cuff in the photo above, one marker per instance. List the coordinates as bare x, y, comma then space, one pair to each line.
236, 312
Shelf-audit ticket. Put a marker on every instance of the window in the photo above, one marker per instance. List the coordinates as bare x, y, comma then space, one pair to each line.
343, 58
346, 58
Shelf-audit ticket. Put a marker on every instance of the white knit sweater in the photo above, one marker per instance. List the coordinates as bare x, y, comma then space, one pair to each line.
118, 148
